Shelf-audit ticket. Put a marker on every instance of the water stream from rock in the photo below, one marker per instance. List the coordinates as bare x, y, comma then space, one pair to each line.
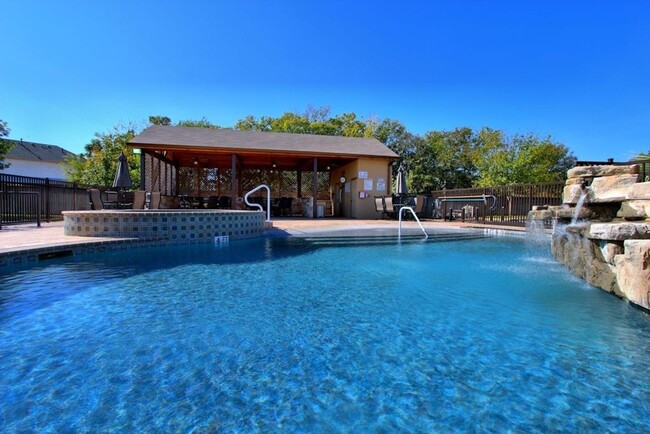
579, 205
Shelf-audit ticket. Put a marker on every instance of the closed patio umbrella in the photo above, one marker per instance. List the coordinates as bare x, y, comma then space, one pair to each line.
122, 179
401, 188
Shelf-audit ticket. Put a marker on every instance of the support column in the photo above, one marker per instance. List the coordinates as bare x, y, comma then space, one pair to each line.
299, 183
143, 156
315, 187
233, 182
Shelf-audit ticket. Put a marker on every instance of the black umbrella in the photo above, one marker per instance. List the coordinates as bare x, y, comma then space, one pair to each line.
122, 179
401, 189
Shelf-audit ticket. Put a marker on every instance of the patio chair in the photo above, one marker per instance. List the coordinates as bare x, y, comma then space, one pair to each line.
419, 205
379, 206
139, 197
95, 199
96, 202
285, 205
224, 202
154, 203
213, 202
390, 209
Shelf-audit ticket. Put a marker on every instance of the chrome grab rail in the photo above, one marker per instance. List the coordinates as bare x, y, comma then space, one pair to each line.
268, 200
481, 198
399, 231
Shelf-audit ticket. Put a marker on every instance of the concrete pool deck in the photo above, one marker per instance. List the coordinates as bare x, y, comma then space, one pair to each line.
30, 238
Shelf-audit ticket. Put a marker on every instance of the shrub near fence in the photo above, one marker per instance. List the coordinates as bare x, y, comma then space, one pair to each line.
24, 199
512, 201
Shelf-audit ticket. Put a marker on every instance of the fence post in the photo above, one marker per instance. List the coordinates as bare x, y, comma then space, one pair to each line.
47, 201
38, 210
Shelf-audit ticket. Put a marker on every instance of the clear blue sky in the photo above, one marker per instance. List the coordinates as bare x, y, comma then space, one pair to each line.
576, 70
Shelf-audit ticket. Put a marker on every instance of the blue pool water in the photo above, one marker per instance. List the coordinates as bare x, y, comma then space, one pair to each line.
281, 335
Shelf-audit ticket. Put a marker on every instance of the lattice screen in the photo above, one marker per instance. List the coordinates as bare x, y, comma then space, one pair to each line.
216, 182
159, 175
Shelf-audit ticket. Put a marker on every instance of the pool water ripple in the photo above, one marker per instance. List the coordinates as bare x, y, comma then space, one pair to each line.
268, 335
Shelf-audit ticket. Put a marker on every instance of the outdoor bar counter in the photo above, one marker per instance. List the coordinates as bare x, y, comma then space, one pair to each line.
183, 225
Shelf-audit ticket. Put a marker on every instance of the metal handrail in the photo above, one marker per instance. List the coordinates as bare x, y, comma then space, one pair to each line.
481, 198
268, 200
399, 231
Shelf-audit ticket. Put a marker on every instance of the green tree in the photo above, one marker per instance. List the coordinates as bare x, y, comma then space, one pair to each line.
201, 123
5, 146
98, 164
444, 159
521, 160
160, 120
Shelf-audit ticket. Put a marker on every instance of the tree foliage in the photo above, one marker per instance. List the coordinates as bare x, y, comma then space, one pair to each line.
98, 164
160, 120
201, 123
5, 146
522, 159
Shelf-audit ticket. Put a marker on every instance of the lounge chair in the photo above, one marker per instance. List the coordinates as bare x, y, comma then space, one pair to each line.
139, 197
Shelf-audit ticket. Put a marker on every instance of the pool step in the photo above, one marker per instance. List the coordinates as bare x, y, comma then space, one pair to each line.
385, 239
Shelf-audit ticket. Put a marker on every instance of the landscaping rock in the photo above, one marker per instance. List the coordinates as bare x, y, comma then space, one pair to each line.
571, 194
610, 188
640, 190
595, 171
619, 231
635, 210
609, 250
633, 272
573, 181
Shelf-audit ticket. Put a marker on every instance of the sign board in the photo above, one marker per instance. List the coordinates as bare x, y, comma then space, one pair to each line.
363, 175
367, 184
381, 184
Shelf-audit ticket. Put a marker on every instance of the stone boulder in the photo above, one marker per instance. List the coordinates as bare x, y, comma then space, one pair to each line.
633, 272
611, 188
584, 258
640, 190
571, 194
619, 231
635, 210
596, 171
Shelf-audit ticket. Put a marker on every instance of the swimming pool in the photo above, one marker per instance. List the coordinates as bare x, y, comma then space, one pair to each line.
313, 335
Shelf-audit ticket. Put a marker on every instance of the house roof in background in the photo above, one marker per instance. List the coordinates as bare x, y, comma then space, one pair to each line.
242, 141
36, 152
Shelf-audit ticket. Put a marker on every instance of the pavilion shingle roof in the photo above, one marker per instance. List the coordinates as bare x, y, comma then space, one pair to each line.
225, 139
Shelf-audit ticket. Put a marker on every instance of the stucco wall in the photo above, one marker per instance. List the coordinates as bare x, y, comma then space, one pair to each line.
352, 205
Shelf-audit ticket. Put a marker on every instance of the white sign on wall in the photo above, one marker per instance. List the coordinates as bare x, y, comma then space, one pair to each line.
363, 175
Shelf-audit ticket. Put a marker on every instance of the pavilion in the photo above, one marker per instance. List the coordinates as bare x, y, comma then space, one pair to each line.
344, 171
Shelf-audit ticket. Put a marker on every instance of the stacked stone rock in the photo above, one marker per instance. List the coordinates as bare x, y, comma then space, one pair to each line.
611, 247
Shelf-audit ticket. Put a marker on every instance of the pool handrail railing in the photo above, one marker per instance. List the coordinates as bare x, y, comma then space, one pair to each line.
399, 230
257, 205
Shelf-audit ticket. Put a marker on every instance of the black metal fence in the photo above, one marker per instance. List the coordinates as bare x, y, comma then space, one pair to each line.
507, 204
25, 199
